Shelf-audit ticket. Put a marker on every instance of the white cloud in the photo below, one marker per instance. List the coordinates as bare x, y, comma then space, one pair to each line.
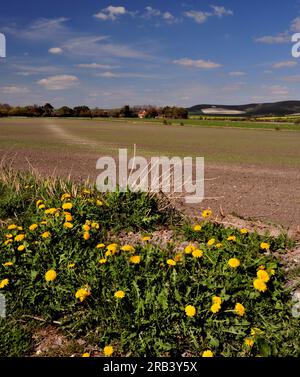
168, 16
28, 70
152, 12
221, 11
59, 82
96, 66
111, 13
274, 39
14, 90
203, 64
295, 25
55, 50
200, 17
197, 16
237, 73
113, 75
284, 64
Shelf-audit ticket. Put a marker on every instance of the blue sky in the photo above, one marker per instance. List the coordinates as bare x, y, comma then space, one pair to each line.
111, 53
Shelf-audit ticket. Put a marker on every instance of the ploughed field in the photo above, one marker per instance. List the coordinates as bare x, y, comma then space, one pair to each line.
252, 172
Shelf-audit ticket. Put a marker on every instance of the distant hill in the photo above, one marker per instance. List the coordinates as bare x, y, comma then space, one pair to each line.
252, 109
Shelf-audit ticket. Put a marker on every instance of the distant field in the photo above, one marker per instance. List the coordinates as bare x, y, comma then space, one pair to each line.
213, 140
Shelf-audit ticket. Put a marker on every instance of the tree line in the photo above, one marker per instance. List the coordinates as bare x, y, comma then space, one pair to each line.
48, 110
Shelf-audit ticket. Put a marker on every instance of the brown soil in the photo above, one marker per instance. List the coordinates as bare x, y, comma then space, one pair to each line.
269, 195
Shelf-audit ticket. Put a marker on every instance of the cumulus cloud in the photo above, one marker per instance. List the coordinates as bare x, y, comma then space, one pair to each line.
284, 64
203, 64
55, 50
59, 82
111, 13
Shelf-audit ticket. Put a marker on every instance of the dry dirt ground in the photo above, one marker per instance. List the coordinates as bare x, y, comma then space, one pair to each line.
265, 195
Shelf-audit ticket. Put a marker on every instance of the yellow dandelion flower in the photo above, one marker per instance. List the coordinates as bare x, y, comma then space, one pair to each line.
217, 300
234, 262
119, 294
95, 225
12, 227
86, 191
249, 342
39, 202
9, 235
265, 246
103, 261
65, 196
7, 242
171, 262
41, 206
178, 257
215, 308
21, 248
99, 203
86, 354
67, 206
260, 285
86, 236
68, 225
71, 265
44, 222
50, 211
239, 309
211, 242
33, 227
146, 238
244, 231
128, 248
190, 311
206, 213
231, 238
218, 245
272, 272
100, 246
86, 227
4, 283
46, 235
197, 228
262, 267
207, 353
190, 248
8, 264
19, 237
112, 248
68, 216
83, 293
263, 275
197, 253
135, 259
50, 275
108, 350
108, 253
